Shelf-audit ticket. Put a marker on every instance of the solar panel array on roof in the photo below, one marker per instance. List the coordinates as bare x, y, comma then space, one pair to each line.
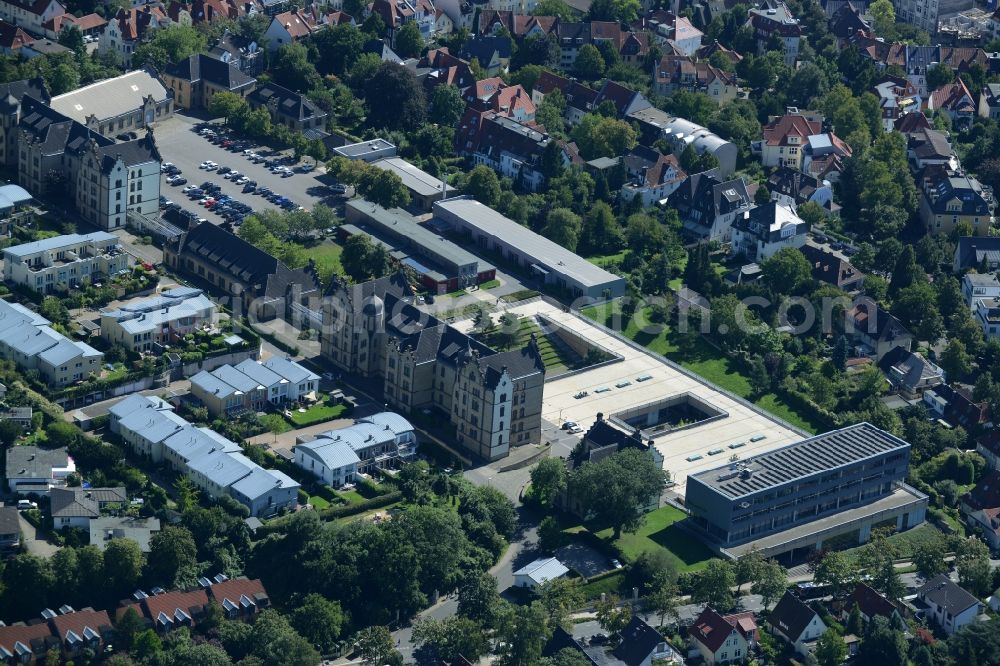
810, 456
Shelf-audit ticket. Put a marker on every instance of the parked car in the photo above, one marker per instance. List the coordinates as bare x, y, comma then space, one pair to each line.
24, 505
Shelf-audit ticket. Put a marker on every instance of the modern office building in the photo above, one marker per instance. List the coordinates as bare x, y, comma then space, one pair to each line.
366, 151
838, 484
61, 262
441, 265
158, 320
533, 253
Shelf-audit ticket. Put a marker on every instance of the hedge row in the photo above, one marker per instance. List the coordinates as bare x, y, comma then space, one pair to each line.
335, 512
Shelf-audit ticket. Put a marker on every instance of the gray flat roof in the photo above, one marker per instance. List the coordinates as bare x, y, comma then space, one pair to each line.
552, 255
363, 148
821, 453
404, 225
57, 243
112, 97
415, 179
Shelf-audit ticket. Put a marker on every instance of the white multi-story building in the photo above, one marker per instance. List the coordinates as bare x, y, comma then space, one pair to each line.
926, 14
143, 322
764, 230
31, 16
61, 262
372, 441
27, 339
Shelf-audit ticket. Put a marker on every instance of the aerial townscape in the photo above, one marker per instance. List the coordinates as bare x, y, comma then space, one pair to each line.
499, 332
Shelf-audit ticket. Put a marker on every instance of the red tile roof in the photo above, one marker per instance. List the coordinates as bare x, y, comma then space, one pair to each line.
986, 494
776, 133
24, 634
79, 622
236, 588
170, 602
12, 37
711, 629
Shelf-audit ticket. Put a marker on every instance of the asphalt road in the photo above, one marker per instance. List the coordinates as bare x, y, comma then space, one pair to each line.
183, 147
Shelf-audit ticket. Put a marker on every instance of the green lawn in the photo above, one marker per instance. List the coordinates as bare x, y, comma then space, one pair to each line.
659, 532
321, 411
490, 284
352, 496
607, 585
694, 353
906, 542
555, 358
119, 371
327, 257
319, 502
603, 260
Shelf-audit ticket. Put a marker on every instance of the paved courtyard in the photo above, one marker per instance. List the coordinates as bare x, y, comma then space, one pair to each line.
742, 423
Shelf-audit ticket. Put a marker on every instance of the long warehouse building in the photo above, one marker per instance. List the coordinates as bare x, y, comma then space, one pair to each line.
412, 244
534, 253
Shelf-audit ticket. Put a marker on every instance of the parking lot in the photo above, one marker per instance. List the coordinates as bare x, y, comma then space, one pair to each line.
180, 145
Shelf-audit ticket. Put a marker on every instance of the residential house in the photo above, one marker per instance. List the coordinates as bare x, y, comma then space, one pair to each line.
89, 25
632, 47
10, 535
988, 446
143, 324
928, 147
785, 139
252, 386
653, 176
27, 643
870, 603
539, 572
254, 282
492, 52
263, 491
518, 26
140, 530
27, 339
981, 509
247, 56
127, 30
989, 101
395, 13
679, 72
674, 31
185, 444
897, 97
976, 286
949, 198
31, 15
654, 124
332, 461
11, 114
987, 315
927, 14
508, 101
241, 598
638, 645
445, 69
765, 230
910, 373
847, 21
580, 99
947, 604
796, 622
832, 268
375, 440
917, 60
977, 252
956, 407
13, 39
512, 149
708, 205
59, 263
170, 610
956, 101
876, 331
145, 430
720, 639
81, 630
75, 507
626, 101
197, 79
298, 24
291, 109
774, 20
794, 188
133, 403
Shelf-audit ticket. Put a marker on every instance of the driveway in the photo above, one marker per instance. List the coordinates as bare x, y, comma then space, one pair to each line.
183, 147
34, 539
